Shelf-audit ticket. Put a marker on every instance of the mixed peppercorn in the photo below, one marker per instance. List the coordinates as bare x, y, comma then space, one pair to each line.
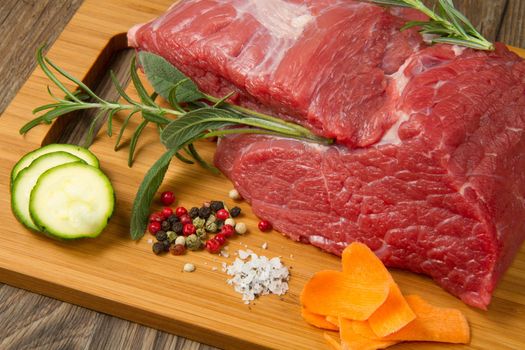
181, 230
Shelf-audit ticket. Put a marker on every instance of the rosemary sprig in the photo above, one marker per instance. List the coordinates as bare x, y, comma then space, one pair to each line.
448, 25
192, 115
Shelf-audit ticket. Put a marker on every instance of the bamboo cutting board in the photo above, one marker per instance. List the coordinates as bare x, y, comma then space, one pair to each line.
115, 275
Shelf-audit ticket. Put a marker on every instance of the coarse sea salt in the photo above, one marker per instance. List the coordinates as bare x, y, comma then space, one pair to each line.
254, 275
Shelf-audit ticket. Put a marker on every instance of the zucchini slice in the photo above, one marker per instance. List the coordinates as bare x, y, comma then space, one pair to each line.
71, 201
77, 151
26, 180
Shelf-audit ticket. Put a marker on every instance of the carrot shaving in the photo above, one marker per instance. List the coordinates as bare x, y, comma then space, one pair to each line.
431, 324
354, 341
318, 321
334, 343
355, 293
365, 304
333, 320
434, 324
393, 315
341, 294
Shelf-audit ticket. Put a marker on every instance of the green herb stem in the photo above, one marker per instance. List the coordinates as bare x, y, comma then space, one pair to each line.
449, 25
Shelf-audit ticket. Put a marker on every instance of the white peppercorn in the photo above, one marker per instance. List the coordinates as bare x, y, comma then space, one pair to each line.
180, 240
234, 194
229, 221
241, 228
189, 267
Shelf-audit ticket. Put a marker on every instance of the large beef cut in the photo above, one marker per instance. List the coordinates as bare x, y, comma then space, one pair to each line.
428, 165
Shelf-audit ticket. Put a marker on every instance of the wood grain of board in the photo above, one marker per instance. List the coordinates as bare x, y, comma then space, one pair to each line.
114, 256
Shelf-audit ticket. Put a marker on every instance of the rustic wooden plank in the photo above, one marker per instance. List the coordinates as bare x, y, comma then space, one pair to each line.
484, 15
32, 321
25, 25
512, 29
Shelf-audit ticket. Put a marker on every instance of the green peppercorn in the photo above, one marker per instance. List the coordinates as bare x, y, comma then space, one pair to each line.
212, 227
211, 218
216, 205
193, 242
204, 212
158, 248
171, 236
165, 225
235, 211
199, 222
202, 234
194, 212
177, 227
161, 236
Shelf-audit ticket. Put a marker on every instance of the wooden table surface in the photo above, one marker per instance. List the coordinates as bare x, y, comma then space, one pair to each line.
31, 321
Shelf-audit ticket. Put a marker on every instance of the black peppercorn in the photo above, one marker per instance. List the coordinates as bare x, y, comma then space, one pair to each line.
216, 205
235, 211
177, 227
166, 245
204, 212
173, 219
194, 212
158, 248
161, 236
165, 225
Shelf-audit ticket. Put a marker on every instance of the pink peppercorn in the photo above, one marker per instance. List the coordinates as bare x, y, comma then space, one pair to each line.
213, 246
154, 227
181, 211
222, 214
189, 229
166, 212
264, 225
185, 219
227, 230
167, 198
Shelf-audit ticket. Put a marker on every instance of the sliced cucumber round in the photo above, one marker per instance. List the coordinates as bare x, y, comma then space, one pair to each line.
72, 201
27, 178
77, 151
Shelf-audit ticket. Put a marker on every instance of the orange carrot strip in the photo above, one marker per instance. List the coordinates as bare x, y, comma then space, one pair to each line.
334, 343
348, 295
333, 320
393, 315
354, 341
354, 294
431, 324
318, 321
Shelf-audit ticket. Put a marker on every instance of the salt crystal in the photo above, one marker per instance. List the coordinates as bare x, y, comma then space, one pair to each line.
264, 245
214, 268
243, 254
150, 241
257, 275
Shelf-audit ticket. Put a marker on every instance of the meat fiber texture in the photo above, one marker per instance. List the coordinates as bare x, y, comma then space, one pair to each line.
428, 165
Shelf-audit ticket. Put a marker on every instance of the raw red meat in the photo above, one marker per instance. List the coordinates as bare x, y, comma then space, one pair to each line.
301, 60
428, 170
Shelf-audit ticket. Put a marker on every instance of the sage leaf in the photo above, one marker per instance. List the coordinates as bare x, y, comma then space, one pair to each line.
193, 124
146, 192
164, 77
